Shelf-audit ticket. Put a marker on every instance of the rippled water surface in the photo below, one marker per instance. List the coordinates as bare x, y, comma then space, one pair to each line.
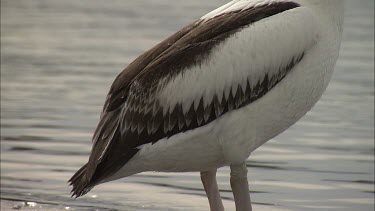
58, 59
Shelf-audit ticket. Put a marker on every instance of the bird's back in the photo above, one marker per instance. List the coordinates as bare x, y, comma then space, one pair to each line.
213, 92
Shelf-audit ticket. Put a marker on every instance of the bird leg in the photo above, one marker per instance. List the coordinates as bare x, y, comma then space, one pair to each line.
210, 186
240, 187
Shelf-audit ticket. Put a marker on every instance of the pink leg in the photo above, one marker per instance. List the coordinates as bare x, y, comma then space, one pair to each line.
210, 186
240, 187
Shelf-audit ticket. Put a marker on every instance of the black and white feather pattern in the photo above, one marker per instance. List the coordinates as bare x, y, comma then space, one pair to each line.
135, 112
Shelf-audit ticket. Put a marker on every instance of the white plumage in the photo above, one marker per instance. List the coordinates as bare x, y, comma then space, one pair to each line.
272, 47
311, 31
264, 46
238, 5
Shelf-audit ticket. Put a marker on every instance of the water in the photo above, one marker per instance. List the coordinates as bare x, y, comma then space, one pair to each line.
58, 59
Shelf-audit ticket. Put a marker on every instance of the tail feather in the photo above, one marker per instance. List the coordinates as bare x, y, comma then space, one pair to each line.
81, 184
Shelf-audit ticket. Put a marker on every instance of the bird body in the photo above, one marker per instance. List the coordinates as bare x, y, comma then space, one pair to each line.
231, 138
215, 91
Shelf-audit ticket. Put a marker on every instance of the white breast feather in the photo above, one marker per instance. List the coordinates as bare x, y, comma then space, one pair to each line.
262, 48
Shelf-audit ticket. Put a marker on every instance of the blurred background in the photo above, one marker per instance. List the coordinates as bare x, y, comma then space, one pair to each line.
58, 59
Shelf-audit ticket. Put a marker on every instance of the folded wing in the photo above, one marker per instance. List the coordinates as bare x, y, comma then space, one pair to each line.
223, 61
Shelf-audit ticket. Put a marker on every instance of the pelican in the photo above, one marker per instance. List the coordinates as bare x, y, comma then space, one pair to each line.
213, 92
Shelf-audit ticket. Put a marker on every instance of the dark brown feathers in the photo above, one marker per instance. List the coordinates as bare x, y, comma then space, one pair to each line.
132, 116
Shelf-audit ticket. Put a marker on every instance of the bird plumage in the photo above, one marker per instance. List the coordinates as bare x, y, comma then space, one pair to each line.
183, 97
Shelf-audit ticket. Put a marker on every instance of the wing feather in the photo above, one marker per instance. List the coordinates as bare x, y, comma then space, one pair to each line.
161, 92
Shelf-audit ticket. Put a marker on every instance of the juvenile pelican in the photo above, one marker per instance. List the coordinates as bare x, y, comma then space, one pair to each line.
213, 92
